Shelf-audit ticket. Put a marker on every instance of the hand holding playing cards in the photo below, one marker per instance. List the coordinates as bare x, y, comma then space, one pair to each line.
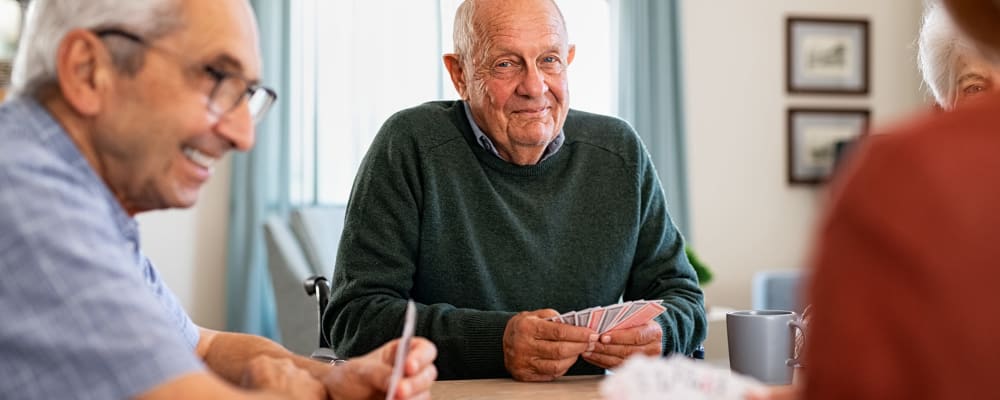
367, 377
615, 346
538, 350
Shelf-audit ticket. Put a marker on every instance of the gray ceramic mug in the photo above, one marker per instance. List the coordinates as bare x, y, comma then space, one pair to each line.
762, 342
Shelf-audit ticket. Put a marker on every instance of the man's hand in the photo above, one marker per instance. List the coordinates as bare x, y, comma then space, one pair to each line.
367, 377
615, 346
280, 375
538, 350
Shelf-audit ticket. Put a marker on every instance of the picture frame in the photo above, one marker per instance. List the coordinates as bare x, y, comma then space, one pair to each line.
818, 139
11, 19
827, 55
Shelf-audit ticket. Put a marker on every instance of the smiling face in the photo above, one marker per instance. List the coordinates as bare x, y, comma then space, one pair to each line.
156, 140
515, 79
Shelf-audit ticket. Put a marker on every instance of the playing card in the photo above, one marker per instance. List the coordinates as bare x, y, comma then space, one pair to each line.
595, 317
633, 307
640, 317
676, 377
610, 312
583, 317
409, 320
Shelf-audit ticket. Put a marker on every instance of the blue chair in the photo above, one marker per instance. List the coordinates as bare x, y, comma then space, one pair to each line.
777, 290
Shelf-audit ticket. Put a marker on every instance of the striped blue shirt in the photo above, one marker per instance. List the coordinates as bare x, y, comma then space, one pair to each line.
83, 313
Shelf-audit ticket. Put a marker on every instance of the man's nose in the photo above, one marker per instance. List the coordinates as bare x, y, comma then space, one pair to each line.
237, 127
532, 82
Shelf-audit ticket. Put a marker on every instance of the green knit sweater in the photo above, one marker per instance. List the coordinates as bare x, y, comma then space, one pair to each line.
473, 239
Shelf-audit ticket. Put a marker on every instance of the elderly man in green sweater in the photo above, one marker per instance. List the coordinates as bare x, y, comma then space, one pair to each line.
505, 202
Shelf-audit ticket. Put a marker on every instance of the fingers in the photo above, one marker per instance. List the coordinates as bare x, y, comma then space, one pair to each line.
614, 347
605, 361
539, 350
417, 385
420, 372
638, 336
554, 331
387, 352
422, 353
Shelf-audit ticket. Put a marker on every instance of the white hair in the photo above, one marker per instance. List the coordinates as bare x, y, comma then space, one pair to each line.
48, 21
938, 48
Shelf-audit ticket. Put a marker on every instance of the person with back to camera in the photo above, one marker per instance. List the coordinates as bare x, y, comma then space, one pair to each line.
905, 264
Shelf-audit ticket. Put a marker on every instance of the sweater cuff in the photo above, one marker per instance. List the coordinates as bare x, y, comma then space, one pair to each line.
484, 342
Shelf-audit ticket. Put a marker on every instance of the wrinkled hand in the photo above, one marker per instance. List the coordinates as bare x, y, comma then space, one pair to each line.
280, 375
367, 377
538, 350
614, 347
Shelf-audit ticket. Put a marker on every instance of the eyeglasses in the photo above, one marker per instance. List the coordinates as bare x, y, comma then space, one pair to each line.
229, 90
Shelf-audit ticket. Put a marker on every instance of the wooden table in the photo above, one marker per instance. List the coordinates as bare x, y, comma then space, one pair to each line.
565, 388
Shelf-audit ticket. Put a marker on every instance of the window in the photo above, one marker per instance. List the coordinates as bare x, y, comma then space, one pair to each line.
356, 62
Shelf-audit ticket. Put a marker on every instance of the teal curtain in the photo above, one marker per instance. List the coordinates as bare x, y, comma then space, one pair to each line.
649, 90
259, 188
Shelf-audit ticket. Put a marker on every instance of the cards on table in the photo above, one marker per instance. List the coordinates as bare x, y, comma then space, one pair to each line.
676, 377
409, 320
614, 317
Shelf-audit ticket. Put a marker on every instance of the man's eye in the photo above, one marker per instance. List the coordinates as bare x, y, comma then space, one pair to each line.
505, 64
215, 73
550, 59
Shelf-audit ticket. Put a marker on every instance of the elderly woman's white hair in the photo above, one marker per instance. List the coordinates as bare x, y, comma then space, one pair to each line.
938, 48
48, 21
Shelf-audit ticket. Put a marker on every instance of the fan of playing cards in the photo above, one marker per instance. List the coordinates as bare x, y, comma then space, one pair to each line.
614, 317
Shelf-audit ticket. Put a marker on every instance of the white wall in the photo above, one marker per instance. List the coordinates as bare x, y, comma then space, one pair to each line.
188, 247
744, 216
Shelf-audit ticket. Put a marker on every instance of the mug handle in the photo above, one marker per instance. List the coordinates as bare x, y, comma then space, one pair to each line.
796, 362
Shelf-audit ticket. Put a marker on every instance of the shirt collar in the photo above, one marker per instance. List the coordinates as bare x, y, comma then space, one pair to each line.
487, 144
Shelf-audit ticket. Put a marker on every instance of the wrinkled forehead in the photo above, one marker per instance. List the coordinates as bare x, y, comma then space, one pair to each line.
500, 20
221, 31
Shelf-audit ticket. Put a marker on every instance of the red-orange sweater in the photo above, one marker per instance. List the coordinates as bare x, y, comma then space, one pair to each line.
906, 279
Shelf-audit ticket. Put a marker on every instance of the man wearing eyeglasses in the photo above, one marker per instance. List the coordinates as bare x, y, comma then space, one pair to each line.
121, 107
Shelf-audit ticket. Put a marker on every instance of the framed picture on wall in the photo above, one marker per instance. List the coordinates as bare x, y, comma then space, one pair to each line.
818, 138
827, 55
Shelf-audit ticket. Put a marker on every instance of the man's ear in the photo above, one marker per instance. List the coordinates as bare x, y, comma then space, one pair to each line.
571, 54
84, 71
454, 66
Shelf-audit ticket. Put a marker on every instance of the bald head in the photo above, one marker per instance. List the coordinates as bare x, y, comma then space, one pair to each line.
476, 19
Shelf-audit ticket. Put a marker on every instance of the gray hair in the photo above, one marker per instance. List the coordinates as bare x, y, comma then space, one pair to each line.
938, 48
48, 21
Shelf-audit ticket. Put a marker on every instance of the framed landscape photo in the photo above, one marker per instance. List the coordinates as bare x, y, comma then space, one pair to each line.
827, 55
818, 138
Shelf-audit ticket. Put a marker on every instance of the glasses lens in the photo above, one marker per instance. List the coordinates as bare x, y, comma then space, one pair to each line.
259, 102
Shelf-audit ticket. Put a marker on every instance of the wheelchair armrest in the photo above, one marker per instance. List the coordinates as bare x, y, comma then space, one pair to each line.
318, 285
